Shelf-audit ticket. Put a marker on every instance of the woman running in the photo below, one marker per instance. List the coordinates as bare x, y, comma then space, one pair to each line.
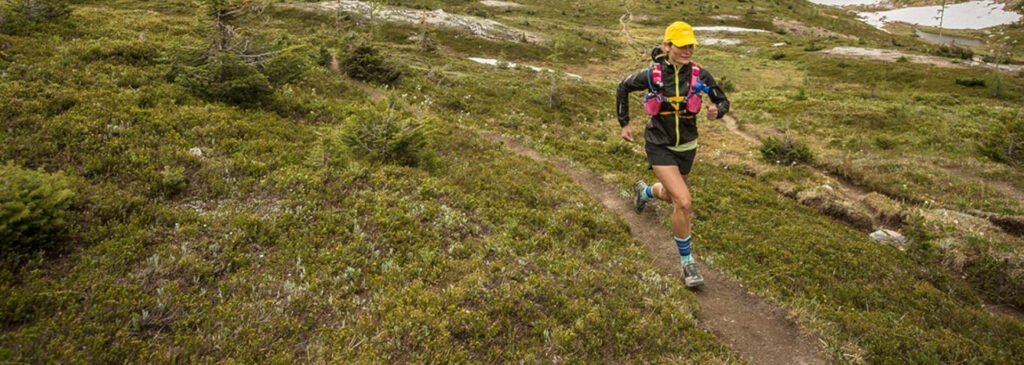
674, 83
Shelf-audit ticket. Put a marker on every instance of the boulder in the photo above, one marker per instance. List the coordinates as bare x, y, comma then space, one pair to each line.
890, 237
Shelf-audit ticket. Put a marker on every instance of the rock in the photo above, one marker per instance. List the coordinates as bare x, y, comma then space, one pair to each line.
888, 236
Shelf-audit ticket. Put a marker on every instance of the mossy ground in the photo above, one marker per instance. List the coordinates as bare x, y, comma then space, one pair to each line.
283, 247
274, 244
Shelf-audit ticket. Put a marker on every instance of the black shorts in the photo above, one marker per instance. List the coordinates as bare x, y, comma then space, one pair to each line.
662, 156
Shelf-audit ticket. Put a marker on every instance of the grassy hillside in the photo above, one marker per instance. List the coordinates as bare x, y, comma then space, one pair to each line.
783, 249
208, 227
279, 243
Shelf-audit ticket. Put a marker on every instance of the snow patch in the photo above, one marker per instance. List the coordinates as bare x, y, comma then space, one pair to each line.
720, 42
726, 17
483, 28
726, 29
847, 2
494, 62
892, 56
978, 14
500, 4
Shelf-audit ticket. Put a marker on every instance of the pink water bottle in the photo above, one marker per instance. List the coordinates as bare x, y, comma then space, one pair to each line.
656, 76
653, 100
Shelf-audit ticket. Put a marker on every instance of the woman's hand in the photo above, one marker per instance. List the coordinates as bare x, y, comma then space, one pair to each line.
712, 111
627, 133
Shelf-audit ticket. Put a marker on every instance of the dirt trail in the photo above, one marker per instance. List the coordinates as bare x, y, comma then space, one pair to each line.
758, 331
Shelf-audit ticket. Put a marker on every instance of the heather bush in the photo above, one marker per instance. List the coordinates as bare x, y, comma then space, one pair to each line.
286, 67
786, 151
33, 209
17, 15
365, 63
382, 134
227, 77
954, 51
1005, 142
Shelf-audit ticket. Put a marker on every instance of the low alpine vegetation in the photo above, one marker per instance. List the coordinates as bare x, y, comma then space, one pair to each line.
34, 209
365, 63
1005, 142
785, 151
380, 133
19, 15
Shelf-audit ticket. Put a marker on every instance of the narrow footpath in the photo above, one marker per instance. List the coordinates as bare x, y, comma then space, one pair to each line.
758, 331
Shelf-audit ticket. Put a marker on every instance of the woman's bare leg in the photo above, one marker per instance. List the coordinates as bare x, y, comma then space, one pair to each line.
672, 188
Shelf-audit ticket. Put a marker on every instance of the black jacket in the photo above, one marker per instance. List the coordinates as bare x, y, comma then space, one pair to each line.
662, 129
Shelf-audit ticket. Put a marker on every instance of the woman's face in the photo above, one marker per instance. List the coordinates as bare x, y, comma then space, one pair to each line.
678, 55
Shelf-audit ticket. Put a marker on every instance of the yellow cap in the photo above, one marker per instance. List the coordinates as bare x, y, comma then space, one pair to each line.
680, 34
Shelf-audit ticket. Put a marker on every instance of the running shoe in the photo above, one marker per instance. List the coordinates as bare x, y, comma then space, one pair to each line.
691, 276
638, 196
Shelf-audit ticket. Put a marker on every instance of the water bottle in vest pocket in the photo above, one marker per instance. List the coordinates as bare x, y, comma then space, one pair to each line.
653, 100
652, 103
693, 103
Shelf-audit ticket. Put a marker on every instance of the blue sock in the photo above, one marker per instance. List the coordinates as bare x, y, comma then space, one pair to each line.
647, 194
683, 244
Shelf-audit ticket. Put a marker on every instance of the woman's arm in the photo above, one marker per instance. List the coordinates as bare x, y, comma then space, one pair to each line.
716, 94
635, 82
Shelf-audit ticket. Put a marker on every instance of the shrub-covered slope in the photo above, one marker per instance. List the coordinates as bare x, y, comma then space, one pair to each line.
207, 227
207, 232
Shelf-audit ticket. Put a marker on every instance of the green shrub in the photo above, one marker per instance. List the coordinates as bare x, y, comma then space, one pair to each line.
1000, 59
1000, 279
381, 134
136, 53
1005, 142
971, 82
366, 64
324, 58
42, 10
726, 84
786, 151
801, 94
813, 46
885, 142
285, 68
228, 78
777, 56
33, 208
172, 180
18, 14
954, 51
